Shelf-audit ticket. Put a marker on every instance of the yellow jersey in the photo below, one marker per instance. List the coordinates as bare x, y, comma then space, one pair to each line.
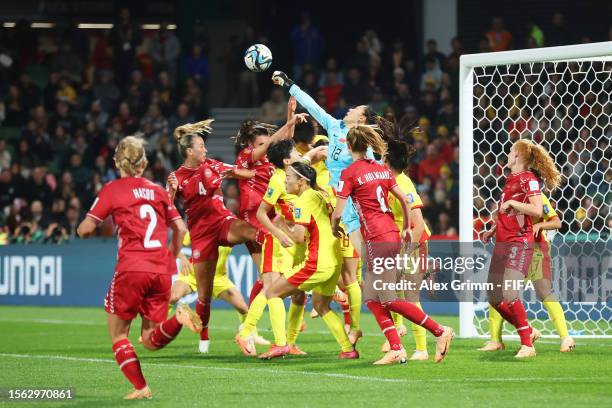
312, 210
548, 213
321, 169
277, 196
406, 185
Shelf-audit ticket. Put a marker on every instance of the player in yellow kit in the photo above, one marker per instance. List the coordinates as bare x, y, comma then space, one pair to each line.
223, 288
396, 159
278, 252
307, 141
541, 275
319, 271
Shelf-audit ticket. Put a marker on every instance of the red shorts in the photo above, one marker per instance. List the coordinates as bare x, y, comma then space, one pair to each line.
511, 255
139, 293
379, 248
250, 216
205, 245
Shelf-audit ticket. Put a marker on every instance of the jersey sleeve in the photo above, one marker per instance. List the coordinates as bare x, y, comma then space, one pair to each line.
317, 112
530, 186
303, 209
413, 197
102, 205
218, 166
548, 212
273, 192
245, 158
345, 185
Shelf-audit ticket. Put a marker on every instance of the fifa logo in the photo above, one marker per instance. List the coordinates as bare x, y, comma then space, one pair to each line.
31, 275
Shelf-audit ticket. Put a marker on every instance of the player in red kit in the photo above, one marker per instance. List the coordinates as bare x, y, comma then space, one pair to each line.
253, 139
141, 284
521, 199
368, 183
197, 184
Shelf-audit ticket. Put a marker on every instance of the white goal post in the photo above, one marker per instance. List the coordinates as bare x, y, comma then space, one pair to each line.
534, 94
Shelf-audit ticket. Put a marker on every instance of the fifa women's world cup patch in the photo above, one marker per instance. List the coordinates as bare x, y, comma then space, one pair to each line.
270, 192
298, 212
410, 198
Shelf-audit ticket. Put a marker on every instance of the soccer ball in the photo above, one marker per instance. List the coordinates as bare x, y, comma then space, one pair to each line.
258, 58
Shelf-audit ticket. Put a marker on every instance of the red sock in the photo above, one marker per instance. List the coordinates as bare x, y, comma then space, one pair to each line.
165, 333
385, 322
522, 325
505, 312
128, 363
260, 236
257, 287
346, 310
203, 310
415, 315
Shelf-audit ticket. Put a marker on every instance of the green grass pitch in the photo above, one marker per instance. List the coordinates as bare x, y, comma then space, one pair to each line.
69, 347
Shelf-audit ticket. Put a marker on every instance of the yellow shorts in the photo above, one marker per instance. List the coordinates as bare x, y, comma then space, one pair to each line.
540, 267
220, 284
347, 249
276, 258
321, 281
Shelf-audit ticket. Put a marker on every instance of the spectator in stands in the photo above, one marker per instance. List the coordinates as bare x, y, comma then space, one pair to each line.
80, 173
72, 221
30, 92
360, 58
307, 45
124, 39
15, 113
165, 49
332, 90
66, 92
154, 126
378, 103
194, 98
128, 122
535, 33
498, 37
63, 118
431, 80
373, 46
106, 91
180, 117
355, 92
310, 83
430, 166
196, 65
96, 115
558, 33
5, 156
68, 63
274, 110
432, 52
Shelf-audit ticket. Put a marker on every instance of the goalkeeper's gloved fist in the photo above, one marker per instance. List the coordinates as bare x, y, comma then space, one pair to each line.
281, 79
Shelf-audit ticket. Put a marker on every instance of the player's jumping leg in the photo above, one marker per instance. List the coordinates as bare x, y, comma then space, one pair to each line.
205, 275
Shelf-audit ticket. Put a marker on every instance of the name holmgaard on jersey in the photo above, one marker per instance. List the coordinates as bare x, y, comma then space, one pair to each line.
144, 194
374, 175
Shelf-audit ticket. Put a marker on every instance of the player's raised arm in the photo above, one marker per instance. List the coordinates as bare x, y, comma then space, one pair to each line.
262, 216
280, 134
316, 111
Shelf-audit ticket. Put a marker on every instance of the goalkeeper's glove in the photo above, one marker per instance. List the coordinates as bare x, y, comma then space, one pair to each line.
281, 79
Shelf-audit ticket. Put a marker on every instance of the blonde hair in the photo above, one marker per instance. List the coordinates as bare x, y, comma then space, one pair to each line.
184, 134
361, 137
130, 155
535, 157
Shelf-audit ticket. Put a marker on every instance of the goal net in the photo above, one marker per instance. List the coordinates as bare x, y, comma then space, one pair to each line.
560, 98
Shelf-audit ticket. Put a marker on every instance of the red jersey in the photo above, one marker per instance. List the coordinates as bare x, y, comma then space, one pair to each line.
197, 189
253, 189
369, 183
142, 211
514, 227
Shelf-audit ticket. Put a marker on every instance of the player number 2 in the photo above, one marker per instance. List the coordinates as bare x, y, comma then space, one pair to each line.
381, 199
146, 211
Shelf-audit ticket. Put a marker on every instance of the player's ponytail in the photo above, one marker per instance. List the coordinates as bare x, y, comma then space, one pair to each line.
250, 129
398, 154
185, 134
535, 157
130, 155
361, 137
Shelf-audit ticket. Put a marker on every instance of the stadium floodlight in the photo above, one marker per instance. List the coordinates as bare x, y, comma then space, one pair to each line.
561, 98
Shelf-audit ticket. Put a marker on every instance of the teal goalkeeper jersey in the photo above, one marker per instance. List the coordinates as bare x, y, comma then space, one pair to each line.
338, 156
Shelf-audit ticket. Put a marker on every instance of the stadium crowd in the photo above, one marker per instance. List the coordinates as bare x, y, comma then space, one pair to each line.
65, 104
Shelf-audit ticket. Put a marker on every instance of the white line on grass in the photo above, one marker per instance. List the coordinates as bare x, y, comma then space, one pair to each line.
316, 374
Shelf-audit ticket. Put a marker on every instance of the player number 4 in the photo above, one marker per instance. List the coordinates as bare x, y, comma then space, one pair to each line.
146, 211
201, 189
